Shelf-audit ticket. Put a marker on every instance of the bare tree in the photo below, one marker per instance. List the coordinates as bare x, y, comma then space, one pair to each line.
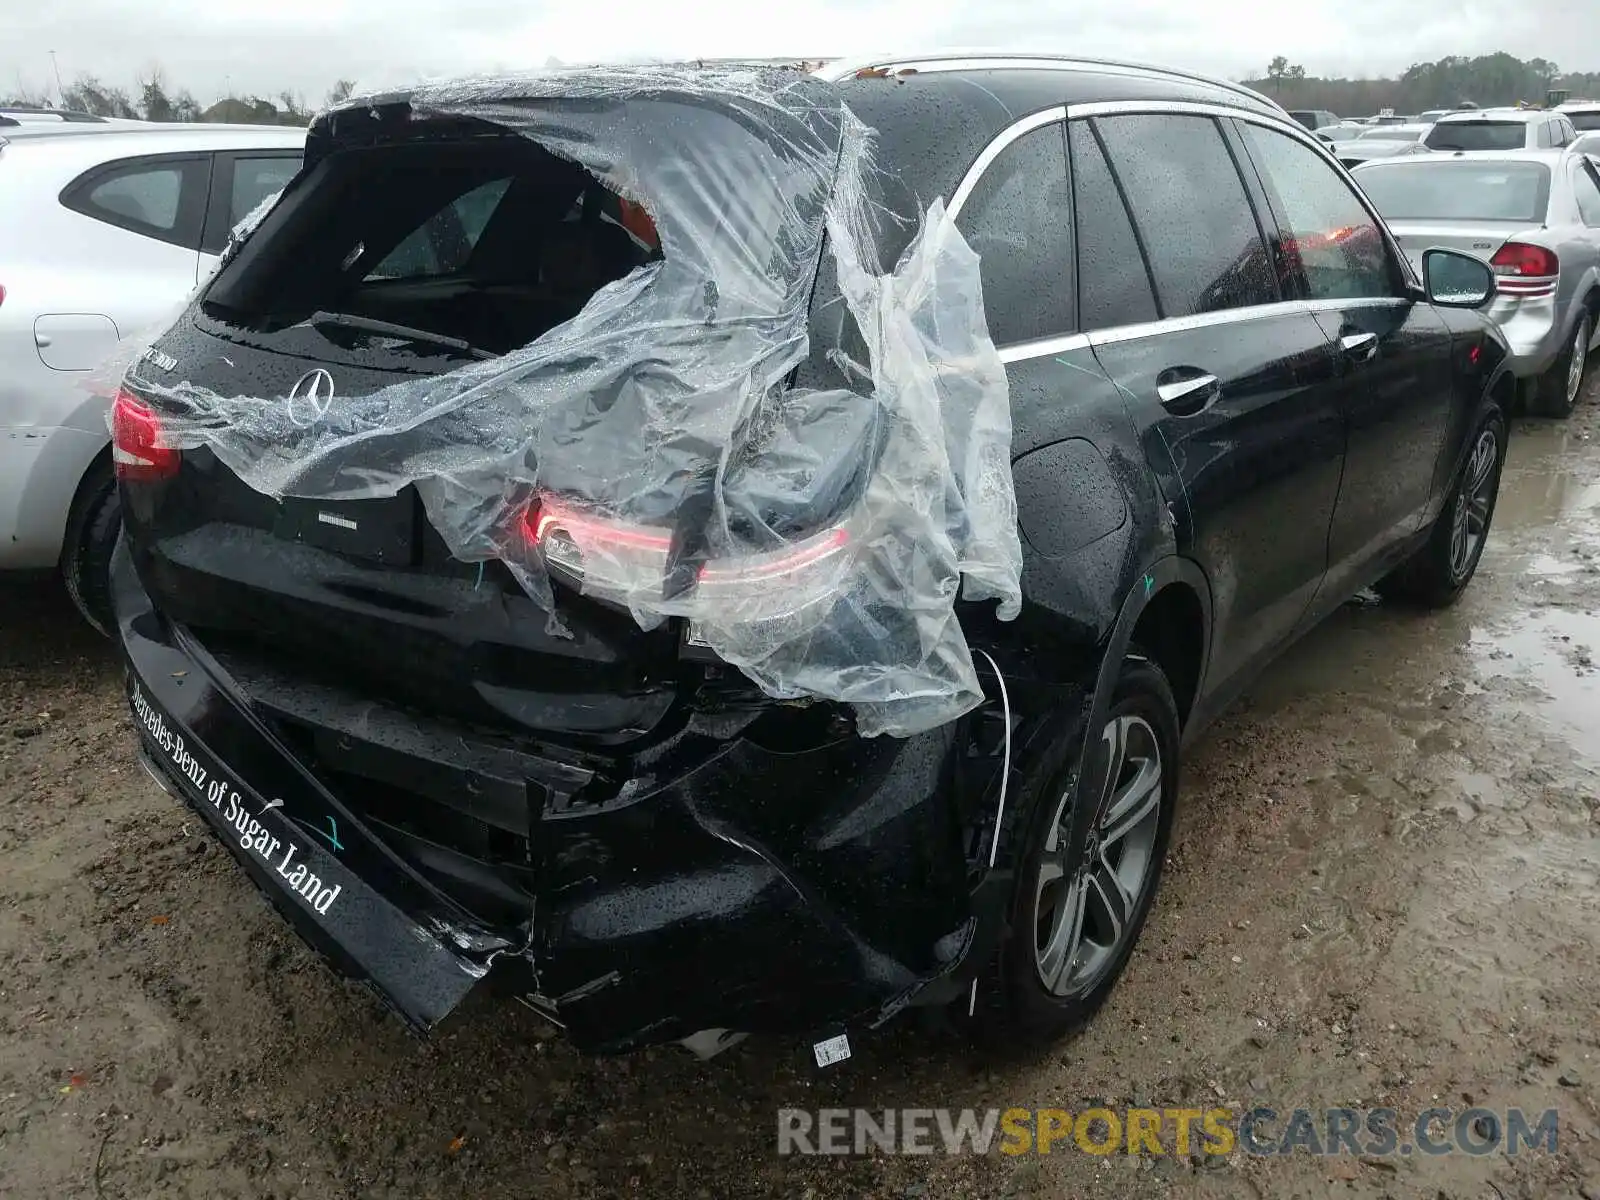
341, 91
153, 99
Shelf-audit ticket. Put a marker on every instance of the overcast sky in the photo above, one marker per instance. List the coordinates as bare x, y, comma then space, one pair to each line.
212, 47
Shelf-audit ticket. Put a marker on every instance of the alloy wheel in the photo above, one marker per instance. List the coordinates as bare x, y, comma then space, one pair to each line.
1084, 910
1580, 352
1474, 504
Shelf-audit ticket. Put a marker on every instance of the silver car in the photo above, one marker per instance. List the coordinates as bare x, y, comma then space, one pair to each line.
1381, 141
1534, 216
104, 230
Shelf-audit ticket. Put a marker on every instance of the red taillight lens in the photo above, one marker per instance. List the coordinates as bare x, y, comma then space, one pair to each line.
1524, 270
136, 447
620, 561
2, 293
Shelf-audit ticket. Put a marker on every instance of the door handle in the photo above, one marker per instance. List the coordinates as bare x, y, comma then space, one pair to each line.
1359, 346
41, 340
1185, 393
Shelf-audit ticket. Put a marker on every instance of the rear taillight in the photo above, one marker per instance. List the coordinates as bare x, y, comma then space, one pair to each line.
1522, 270
2, 293
136, 442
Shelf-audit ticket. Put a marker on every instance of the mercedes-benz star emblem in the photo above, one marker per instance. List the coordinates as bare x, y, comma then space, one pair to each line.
310, 397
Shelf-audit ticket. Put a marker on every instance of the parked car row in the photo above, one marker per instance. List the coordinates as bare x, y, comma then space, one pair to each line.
1235, 402
1534, 216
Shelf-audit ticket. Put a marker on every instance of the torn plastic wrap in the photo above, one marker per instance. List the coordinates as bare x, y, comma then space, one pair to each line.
655, 452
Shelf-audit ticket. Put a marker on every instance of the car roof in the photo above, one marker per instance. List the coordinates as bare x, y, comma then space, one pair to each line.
146, 138
1548, 157
1525, 115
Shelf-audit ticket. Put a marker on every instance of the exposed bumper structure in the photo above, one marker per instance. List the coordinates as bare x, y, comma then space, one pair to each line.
729, 884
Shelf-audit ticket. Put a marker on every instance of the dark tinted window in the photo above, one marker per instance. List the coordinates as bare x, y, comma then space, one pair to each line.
254, 179
1192, 212
1113, 285
160, 198
1458, 190
1587, 190
1019, 220
1328, 233
1582, 121
1477, 135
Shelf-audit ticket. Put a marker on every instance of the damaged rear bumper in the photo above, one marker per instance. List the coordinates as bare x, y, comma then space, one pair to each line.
724, 884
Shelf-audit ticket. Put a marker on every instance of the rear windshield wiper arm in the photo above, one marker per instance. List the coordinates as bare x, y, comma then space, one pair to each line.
369, 325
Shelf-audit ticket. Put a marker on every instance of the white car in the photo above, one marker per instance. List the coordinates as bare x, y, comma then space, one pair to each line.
1501, 129
101, 238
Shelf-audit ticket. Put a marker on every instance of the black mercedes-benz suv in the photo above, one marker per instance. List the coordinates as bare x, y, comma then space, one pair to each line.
1232, 403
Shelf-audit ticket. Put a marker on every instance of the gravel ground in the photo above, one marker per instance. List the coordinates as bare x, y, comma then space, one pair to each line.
1384, 890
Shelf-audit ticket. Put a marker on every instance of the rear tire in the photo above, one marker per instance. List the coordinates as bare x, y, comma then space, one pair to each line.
1437, 574
1054, 968
1558, 389
91, 536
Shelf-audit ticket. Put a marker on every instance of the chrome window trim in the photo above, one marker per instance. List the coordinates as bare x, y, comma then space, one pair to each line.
997, 146
1043, 347
1206, 320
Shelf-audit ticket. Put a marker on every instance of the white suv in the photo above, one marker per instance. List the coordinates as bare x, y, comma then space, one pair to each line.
1501, 129
101, 237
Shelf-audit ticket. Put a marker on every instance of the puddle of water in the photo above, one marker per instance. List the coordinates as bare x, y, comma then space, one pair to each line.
1549, 475
1556, 652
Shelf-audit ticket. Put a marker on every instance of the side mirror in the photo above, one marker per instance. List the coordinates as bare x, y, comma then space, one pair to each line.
1456, 280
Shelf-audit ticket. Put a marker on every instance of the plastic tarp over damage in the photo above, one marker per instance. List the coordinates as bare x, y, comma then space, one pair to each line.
640, 451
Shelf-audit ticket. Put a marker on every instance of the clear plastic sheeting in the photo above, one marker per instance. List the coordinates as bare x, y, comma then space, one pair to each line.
656, 451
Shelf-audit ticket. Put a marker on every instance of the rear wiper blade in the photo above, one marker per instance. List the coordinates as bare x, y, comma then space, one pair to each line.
389, 329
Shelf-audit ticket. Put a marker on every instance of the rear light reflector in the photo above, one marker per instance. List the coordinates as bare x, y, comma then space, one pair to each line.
136, 448
1522, 270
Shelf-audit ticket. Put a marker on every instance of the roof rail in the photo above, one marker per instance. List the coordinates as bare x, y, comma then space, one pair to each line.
844, 68
31, 110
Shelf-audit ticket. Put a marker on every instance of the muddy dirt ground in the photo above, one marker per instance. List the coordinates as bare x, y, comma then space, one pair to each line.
1384, 890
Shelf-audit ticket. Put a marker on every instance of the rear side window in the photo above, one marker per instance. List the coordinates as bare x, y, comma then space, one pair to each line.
1585, 121
1586, 187
1327, 234
159, 198
1114, 287
1477, 135
1191, 210
443, 243
1019, 220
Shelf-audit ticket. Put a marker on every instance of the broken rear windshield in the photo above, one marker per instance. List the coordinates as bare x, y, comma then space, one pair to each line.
1459, 191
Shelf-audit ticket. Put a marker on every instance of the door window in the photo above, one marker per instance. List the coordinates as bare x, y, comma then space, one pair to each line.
1191, 210
1114, 285
1019, 220
1328, 235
